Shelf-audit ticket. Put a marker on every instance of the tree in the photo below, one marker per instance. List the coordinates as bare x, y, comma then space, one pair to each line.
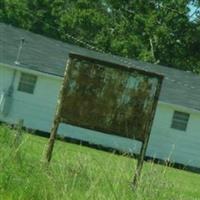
155, 31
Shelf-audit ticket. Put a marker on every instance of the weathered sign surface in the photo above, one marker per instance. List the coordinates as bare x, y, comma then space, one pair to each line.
107, 97
110, 98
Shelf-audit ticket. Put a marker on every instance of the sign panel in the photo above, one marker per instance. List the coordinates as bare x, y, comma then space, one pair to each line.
107, 97
110, 98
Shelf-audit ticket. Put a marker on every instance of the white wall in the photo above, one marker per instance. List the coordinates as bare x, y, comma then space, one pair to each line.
175, 145
38, 110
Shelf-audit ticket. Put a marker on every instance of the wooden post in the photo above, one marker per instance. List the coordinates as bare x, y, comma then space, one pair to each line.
146, 140
57, 120
140, 164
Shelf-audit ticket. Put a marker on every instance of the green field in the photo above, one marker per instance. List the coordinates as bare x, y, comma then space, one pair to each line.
78, 172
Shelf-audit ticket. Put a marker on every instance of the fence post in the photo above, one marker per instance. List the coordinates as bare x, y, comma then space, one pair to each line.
18, 136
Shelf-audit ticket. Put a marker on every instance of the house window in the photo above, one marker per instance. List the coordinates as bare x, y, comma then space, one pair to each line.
27, 83
180, 120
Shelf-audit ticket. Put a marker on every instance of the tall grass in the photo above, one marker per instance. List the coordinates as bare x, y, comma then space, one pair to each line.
75, 173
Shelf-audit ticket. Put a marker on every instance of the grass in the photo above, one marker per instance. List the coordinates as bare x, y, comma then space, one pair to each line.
81, 173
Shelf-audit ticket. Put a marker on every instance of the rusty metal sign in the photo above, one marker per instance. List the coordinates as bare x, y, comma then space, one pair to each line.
109, 98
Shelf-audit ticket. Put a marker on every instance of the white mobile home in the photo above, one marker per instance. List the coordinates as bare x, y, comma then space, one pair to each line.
31, 73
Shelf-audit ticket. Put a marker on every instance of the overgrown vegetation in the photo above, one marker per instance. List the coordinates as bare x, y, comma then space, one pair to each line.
78, 172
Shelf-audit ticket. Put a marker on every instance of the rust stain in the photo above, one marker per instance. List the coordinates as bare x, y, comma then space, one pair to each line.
108, 99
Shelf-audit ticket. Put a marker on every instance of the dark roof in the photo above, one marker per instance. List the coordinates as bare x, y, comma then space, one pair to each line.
49, 56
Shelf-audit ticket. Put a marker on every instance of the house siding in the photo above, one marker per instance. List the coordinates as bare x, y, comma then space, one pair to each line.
171, 144
38, 110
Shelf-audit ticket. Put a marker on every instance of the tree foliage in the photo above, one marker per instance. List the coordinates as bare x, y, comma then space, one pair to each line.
155, 31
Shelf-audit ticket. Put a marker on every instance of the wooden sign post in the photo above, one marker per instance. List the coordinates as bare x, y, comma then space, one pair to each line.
109, 98
57, 120
146, 140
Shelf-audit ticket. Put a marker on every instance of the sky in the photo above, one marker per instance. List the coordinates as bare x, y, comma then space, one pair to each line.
192, 9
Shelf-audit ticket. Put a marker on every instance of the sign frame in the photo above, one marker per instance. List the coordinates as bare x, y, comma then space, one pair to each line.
58, 119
